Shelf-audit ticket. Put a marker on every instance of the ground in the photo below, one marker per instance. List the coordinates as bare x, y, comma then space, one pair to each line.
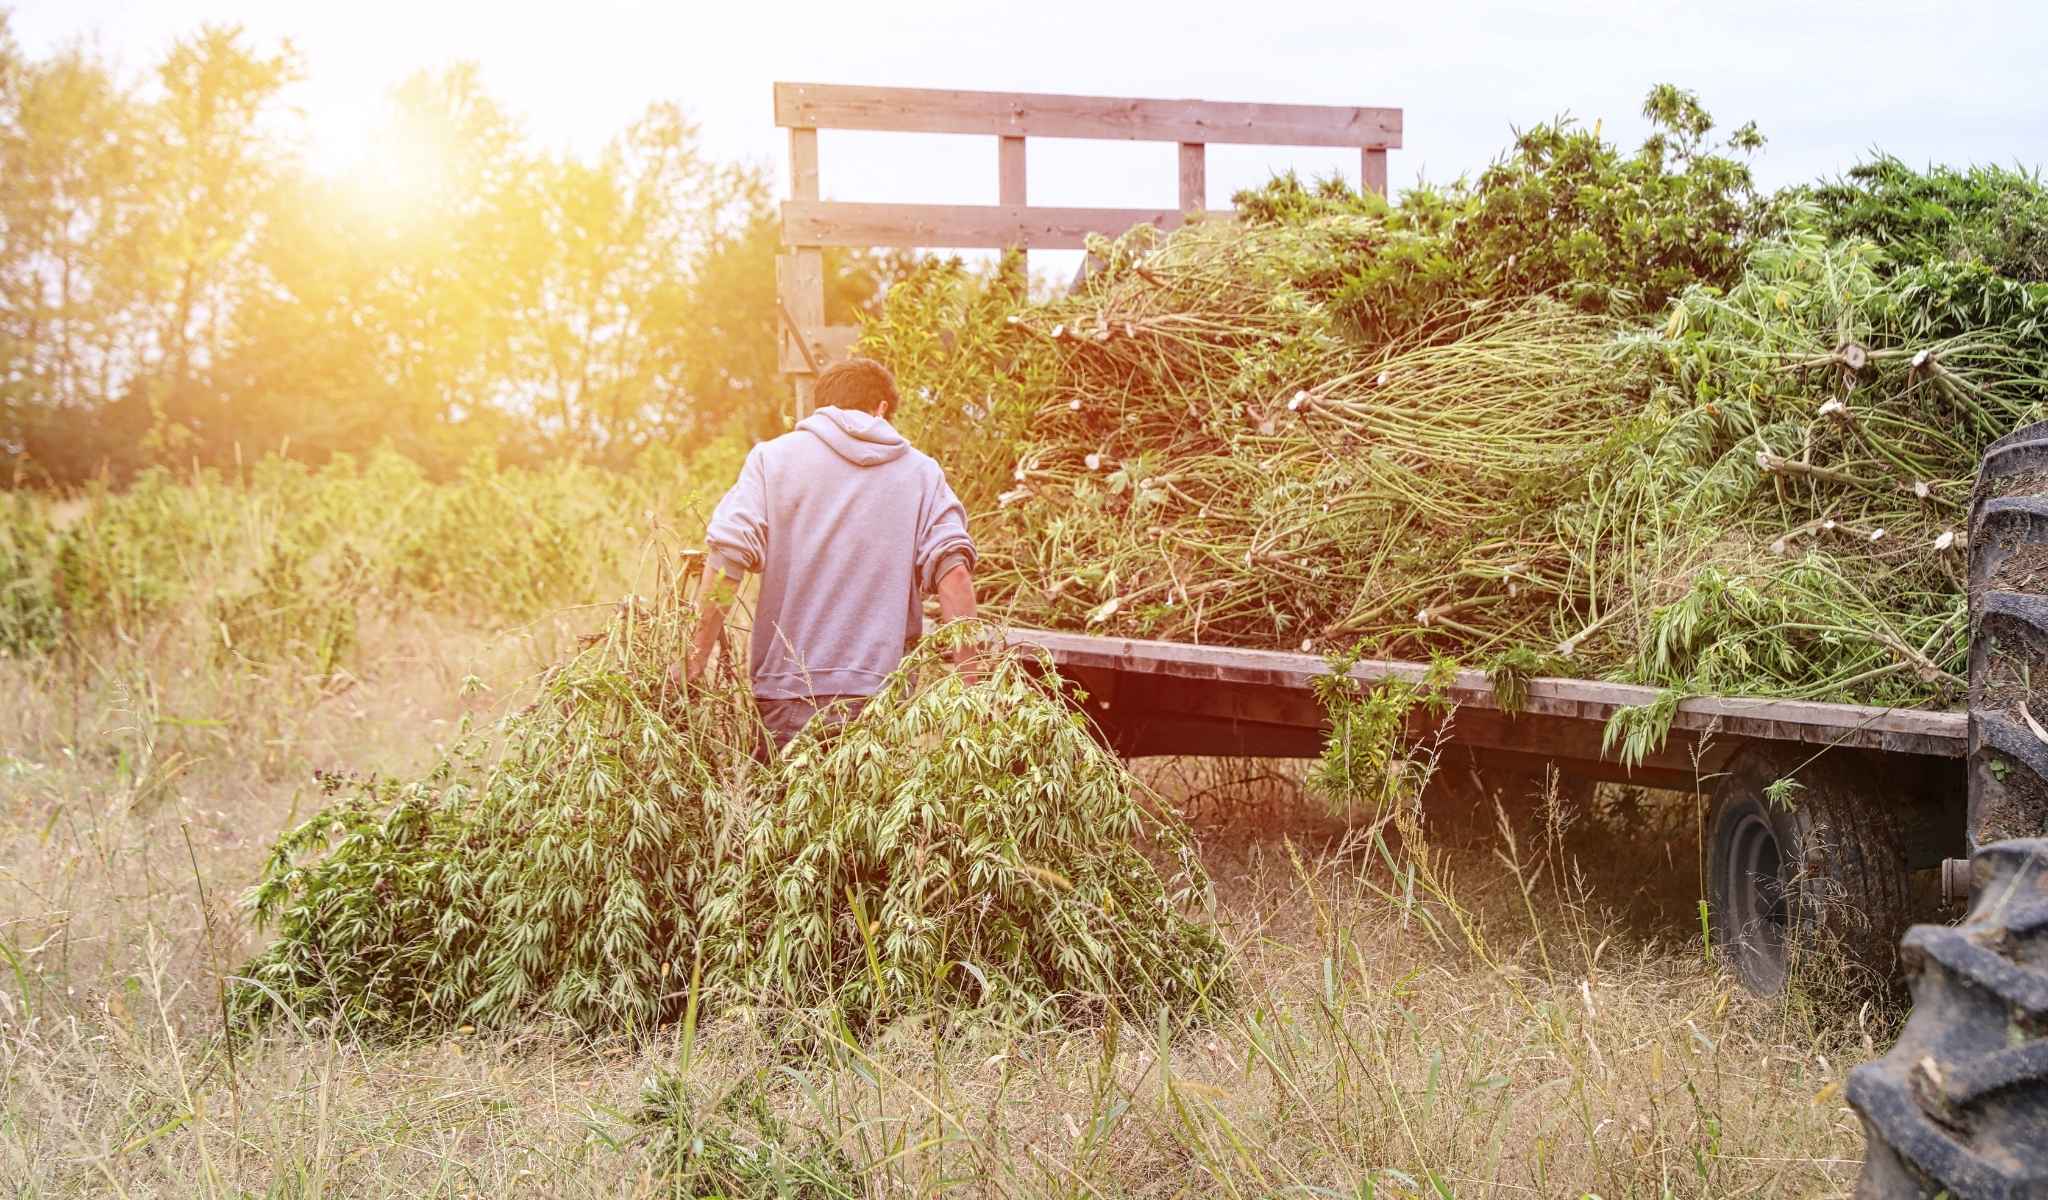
1529, 1018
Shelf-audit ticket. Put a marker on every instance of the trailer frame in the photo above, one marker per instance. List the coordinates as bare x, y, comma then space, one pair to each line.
1172, 698
807, 343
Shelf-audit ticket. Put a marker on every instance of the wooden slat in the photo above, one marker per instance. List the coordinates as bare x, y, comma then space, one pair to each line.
1904, 730
1010, 171
1194, 177
1372, 172
1030, 114
960, 226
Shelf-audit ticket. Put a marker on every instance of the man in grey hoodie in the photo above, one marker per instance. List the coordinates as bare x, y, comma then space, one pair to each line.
849, 527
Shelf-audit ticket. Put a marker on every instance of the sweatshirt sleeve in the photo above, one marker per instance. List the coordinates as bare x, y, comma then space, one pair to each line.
943, 542
737, 537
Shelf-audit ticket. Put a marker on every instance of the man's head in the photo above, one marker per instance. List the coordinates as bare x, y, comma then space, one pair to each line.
858, 383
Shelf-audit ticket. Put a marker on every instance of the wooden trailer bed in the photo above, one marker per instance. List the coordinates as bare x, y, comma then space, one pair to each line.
1164, 698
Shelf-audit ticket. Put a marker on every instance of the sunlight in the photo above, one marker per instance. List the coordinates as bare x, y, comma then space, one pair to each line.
392, 162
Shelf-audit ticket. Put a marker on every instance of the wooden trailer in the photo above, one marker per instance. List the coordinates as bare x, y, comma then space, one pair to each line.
1821, 813
1881, 792
1168, 698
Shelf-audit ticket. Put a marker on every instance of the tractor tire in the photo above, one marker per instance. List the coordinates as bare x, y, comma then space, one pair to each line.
2008, 763
1959, 1106
1817, 877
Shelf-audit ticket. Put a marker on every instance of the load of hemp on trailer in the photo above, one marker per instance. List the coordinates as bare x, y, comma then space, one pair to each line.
1758, 488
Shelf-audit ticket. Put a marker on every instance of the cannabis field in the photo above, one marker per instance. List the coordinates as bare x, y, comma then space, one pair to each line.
357, 839
1384, 1021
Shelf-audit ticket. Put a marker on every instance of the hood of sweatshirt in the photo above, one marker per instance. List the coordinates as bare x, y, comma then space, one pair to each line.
863, 439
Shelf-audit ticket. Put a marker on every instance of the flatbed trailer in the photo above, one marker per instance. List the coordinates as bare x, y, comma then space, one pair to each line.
1169, 698
1882, 791
1820, 812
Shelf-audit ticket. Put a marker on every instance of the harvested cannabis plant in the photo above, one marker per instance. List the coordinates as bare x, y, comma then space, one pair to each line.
554, 869
1761, 495
958, 844
964, 845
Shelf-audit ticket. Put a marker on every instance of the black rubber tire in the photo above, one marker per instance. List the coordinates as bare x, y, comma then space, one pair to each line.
2008, 764
1960, 1104
1822, 874
1959, 1107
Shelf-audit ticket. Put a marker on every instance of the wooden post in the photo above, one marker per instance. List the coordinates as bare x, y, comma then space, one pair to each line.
1010, 189
803, 298
1194, 177
1010, 166
1372, 169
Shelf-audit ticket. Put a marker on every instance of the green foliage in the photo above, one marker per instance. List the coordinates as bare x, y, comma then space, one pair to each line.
1563, 213
1762, 495
1613, 232
361, 929
963, 846
511, 544
31, 618
292, 614
616, 833
1963, 249
737, 1146
1636, 730
179, 285
1510, 672
1806, 411
1367, 768
130, 555
276, 565
554, 871
1784, 792
967, 377
1948, 299
1993, 216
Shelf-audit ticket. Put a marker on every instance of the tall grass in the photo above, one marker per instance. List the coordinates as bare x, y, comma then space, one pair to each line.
1542, 1042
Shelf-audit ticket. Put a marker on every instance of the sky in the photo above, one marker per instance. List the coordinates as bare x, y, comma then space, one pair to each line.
1956, 83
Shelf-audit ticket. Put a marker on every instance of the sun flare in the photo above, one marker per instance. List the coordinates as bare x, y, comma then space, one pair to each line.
397, 170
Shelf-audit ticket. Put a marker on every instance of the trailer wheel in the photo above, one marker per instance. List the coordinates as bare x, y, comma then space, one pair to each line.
1817, 869
1959, 1106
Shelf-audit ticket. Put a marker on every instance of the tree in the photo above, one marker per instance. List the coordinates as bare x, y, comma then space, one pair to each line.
71, 247
176, 285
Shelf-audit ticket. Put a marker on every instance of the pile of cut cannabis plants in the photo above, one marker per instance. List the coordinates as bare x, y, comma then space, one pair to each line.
618, 851
556, 868
1760, 491
962, 845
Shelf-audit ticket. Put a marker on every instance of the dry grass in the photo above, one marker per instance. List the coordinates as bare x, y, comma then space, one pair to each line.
1550, 1034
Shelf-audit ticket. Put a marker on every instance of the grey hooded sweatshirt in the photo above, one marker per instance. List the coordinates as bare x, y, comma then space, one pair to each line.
849, 528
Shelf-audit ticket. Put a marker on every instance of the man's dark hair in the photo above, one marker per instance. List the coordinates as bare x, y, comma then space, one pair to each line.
860, 383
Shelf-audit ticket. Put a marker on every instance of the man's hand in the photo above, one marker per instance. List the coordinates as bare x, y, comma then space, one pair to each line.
956, 603
715, 594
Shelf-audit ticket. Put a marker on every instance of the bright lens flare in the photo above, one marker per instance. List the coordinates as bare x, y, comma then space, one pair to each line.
394, 166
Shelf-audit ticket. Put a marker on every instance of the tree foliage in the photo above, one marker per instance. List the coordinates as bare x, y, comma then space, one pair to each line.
177, 283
